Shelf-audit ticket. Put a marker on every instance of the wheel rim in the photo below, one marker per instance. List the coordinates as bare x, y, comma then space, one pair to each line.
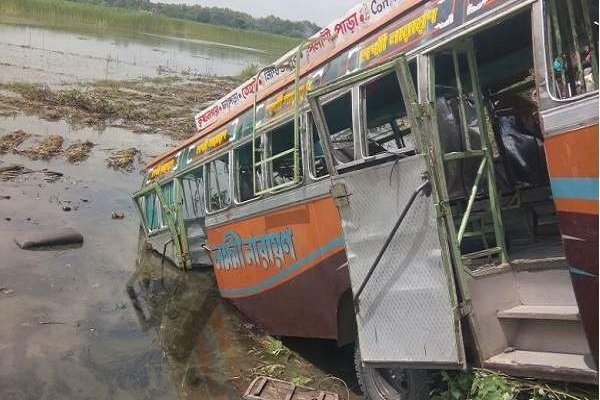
397, 378
391, 383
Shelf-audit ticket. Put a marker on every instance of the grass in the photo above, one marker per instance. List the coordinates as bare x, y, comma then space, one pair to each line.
248, 72
66, 15
481, 384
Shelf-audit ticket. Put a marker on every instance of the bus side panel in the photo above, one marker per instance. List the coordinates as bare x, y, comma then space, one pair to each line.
573, 166
282, 268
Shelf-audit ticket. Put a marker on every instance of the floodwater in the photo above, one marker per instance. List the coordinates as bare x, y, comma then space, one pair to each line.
103, 321
107, 319
31, 54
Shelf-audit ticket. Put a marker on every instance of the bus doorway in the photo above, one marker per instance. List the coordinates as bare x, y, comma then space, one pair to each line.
403, 286
490, 169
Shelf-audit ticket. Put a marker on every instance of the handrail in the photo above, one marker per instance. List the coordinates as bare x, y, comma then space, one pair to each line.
411, 201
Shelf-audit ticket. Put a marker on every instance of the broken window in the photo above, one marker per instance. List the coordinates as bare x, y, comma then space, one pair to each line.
572, 38
385, 119
338, 117
218, 194
281, 151
244, 180
152, 209
193, 194
318, 165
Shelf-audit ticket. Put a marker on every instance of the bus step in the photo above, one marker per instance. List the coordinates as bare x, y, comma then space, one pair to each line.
482, 253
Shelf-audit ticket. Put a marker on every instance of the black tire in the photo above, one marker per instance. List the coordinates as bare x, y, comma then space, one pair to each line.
392, 383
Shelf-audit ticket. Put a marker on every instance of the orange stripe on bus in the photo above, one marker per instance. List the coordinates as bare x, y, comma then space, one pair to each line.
577, 206
573, 154
314, 224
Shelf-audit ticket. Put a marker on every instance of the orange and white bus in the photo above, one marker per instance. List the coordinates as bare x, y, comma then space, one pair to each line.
420, 178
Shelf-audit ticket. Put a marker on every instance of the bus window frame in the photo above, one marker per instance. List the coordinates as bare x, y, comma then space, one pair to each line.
363, 115
267, 172
545, 43
206, 164
335, 164
309, 149
142, 209
181, 176
245, 141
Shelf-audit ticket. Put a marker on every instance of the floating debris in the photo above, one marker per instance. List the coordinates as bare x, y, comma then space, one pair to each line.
78, 151
10, 172
118, 215
48, 147
123, 159
51, 176
49, 238
11, 141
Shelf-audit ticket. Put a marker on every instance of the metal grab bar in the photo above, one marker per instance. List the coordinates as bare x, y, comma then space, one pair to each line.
413, 197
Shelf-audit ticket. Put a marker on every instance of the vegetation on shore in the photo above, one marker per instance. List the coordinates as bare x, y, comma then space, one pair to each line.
156, 105
216, 16
481, 384
69, 15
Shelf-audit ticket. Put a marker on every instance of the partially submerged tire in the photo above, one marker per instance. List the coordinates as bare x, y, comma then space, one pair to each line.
392, 383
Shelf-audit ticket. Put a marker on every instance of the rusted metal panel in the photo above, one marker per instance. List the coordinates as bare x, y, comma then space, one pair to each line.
265, 388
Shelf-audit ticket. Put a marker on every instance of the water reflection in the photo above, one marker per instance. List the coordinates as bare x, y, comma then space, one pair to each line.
204, 340
212, 351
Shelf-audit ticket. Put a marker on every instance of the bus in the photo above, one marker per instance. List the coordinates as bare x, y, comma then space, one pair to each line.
419, 178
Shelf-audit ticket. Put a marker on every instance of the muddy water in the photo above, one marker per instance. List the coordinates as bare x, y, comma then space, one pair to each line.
31, 54
101, 321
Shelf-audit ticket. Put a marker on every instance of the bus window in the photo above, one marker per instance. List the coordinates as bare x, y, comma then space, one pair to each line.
385, 120
318, 166
152, 211
338, 116
572, 52
217, 172
193, 194
244, 181
168, 192
281, 142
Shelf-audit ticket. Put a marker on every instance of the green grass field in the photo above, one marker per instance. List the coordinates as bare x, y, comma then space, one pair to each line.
84, 17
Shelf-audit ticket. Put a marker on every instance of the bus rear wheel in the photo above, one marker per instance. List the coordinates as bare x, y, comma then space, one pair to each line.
392, 383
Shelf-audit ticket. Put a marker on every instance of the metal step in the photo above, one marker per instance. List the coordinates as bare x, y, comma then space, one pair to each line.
554, 313
482, 253
545, 365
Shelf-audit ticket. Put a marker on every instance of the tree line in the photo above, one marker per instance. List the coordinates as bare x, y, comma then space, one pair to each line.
216, 16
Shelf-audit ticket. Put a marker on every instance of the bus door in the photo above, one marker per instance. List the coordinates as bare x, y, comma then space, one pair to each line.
161, 207
404, 293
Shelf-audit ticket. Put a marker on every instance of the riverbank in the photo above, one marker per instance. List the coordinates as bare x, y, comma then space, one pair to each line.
87, 18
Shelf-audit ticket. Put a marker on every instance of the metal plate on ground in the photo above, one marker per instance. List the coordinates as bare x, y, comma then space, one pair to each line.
265, 388
406, 313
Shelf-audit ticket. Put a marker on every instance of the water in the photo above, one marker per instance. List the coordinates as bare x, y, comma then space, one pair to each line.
31, 54
122, 325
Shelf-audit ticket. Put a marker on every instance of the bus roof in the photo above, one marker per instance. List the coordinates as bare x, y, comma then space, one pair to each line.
341, 34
